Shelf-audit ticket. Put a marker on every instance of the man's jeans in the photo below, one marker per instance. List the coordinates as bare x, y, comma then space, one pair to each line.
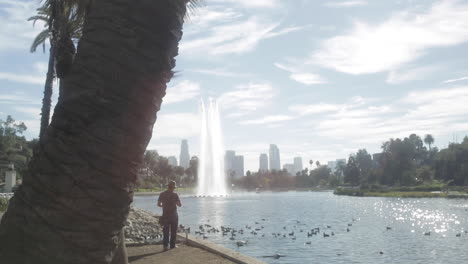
171, 222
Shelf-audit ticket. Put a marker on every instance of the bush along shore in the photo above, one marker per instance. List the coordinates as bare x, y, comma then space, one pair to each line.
422, 191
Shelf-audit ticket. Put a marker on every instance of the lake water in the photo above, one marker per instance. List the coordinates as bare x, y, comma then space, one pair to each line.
367, 219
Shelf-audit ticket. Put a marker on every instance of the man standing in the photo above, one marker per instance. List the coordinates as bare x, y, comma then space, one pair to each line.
169, 200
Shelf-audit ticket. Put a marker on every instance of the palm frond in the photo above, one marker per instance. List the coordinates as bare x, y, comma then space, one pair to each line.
40, 39
192, 6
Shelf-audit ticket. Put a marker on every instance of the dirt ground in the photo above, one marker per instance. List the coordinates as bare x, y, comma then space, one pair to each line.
181, 255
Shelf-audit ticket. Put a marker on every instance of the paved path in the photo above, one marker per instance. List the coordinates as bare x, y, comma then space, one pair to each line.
181, 255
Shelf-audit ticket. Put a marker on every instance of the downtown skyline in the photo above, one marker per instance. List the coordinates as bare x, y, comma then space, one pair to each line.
319, 79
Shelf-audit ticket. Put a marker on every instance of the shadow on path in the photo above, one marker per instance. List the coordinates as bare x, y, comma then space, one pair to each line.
135, 258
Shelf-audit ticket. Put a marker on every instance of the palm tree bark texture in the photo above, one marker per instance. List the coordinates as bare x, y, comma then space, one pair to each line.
73, 206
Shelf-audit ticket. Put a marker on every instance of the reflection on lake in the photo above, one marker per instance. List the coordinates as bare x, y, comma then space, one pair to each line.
392, 226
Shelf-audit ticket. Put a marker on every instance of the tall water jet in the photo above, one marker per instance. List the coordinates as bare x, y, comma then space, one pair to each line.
211, 177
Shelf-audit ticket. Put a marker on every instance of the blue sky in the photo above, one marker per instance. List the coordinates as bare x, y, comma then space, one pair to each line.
320, 79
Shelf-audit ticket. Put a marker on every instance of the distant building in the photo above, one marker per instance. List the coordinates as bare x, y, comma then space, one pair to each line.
184, 157
172, 161
333, 165
233, 164
376, 159
238, 166
290, 168
297, 165
263, 160
229, 157
275, 162
9, 175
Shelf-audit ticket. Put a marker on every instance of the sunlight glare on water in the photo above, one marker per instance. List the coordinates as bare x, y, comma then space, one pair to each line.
393, 226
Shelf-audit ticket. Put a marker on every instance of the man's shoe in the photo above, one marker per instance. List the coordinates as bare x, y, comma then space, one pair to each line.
174, 247
166, 249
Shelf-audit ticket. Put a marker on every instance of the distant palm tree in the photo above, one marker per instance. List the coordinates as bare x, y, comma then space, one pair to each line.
72, 206
429, 139
63, 21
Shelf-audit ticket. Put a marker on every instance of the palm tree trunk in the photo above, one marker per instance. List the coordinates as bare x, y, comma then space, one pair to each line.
47, 100
73, 206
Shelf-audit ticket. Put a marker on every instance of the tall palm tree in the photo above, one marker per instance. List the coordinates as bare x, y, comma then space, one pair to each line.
429, 139
64, 21
73, 205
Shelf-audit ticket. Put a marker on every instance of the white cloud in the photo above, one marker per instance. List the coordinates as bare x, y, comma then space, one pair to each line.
438, 112
204, 16
234, 38
307, 78
17, 98
268, 119
179, 125
247, 97
22, 78
181, 91
250, 3
406, 36
456, 80
302, 109
446, 103
36, 77
301, 76
236, 114
346, 4
16, 32
33, 111
410, 74
219, 72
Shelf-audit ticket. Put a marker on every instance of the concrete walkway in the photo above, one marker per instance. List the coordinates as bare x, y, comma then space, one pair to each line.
183, 254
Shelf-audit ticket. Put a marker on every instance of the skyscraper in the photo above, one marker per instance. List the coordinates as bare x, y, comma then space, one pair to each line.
297, 165
238, 166
172, 161
229, 162
275, 163
233, 164
263, 162
184, 157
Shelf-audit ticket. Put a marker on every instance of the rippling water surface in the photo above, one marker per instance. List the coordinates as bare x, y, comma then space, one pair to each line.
366, 218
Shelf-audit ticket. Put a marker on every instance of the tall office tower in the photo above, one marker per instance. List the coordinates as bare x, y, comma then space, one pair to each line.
297, 165
238, 166
172, 161
184, 157
229, 162
263, 162
275, 163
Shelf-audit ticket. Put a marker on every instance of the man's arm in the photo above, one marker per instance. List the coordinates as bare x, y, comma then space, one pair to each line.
159, 201
178, 203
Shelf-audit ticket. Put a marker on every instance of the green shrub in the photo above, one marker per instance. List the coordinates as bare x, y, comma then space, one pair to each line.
3, 204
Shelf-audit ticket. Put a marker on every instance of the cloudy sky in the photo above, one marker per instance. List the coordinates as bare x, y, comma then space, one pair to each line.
320, 79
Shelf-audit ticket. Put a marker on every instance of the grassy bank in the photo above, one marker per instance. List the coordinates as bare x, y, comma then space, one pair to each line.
422, 191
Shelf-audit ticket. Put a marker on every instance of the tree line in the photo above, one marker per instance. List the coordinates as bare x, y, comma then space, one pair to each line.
14, 147
155, 172
409, 161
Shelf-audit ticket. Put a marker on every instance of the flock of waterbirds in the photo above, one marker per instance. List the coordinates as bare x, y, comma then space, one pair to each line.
286, 232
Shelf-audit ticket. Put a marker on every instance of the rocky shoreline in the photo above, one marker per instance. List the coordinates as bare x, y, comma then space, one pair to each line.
142, 228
